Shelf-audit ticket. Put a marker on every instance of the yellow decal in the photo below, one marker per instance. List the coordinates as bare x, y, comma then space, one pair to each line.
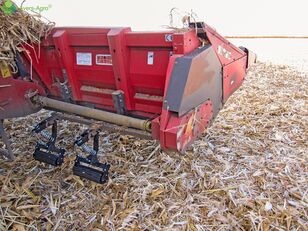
189, 126
5, 71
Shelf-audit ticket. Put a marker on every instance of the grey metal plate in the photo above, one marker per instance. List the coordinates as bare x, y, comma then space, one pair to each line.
195, 78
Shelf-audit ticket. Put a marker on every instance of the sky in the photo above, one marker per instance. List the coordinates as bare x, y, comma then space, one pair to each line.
233, 17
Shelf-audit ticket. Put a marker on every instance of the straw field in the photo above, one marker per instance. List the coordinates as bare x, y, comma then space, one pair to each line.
248, 172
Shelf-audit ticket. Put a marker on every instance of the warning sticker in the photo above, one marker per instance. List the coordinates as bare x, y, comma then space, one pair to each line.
103, 59
150, 58
5, 70
84, 59
168, 37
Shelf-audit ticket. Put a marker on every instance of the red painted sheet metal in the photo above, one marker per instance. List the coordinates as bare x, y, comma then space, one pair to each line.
138, 63
150, 39
180, 132
95, 62
226, 51
13, 97
233, 77
184, 43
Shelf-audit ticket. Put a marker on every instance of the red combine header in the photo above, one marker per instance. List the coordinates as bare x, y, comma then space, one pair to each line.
168, 85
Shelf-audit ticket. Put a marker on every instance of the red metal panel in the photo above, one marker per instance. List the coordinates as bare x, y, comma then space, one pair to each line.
165, 114
99, 76
148, 78
148, 107
226, 51
234, 74
37, 61
84, 30
120, 56
180, 132
183, 43
130, 70
149, 39
61, 42
13, 100
97, 39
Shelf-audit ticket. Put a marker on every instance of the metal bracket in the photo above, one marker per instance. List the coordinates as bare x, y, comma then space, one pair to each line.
89, 167
48, 152
65, 89
119, 102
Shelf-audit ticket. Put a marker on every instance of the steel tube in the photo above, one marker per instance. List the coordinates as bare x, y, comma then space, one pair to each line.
96, 114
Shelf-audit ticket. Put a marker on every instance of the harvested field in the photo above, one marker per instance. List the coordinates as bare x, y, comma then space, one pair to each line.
249, 172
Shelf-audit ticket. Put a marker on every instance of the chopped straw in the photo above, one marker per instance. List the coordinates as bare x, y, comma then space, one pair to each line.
248, 172
17, 29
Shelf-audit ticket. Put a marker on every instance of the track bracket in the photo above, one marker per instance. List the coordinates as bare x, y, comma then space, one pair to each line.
89, 167
48, 152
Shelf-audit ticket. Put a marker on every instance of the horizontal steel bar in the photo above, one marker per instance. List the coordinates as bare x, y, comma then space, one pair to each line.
103, 126
91, 113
